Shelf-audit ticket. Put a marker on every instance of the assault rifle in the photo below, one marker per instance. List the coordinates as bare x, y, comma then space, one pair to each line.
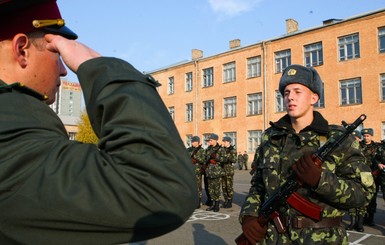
286, 193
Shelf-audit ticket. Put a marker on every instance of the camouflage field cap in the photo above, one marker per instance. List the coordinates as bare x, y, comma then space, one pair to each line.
306, 76
367, 131
213, 137
25, 16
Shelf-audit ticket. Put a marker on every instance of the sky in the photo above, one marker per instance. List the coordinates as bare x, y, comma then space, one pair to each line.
151, 34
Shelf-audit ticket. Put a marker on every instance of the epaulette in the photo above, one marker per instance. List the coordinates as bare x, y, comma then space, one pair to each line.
22, 89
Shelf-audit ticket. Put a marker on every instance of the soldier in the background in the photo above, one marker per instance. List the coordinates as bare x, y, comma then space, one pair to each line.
198, 157
213, 172
369, 148
240, 160
357, 214
380, 172
227, 156
245, 159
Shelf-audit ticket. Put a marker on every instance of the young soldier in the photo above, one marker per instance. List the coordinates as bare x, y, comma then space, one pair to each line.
369, 148
213, 172
343, 181
227, 156
198, 157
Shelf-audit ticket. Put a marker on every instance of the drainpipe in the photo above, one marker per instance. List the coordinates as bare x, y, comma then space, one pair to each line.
265, 116
195, 115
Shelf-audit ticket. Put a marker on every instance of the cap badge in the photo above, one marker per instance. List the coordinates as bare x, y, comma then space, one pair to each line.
44, 23
291, 72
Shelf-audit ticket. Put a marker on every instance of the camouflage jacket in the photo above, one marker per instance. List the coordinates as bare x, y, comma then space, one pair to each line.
227, 156
370, 151
346, 182
197, 154
213, 169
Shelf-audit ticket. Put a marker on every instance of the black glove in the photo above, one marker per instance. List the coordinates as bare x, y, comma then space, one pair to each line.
253, 230
307, 171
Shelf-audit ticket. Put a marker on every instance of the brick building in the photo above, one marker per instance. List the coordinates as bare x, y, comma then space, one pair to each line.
234, 93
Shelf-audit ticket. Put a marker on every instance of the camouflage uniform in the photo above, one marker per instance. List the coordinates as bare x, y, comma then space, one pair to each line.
198, 157
213, 172
227, 156
345, 182
245, 160
369, 151
240, 161
380, 158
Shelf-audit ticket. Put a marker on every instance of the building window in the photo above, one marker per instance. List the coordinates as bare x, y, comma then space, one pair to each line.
189, 82
313, 54
233, 136
254, 104
171, 110
71, 135
189, 112
208, 77
229, 72
188, 139
282, 60
208, 110
321, 102
254, 67
230, 107
280, 104
205, 140
170, 87
382, 82
381, 39
383, 130
253, 140
351, 92
349, 47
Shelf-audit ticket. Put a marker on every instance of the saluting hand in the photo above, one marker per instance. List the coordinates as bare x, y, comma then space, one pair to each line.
72, 52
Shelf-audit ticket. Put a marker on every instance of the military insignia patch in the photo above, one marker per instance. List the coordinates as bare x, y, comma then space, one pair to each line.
291, 72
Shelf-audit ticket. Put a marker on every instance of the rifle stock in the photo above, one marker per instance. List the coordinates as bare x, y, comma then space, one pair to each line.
283, 194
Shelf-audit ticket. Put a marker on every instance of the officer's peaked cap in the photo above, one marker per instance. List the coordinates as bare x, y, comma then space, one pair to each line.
25, 16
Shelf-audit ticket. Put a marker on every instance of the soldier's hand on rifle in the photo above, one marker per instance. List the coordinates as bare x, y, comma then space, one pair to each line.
253, 230
307, 171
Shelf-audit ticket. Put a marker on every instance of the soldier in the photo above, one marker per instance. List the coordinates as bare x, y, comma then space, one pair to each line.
343, 181
380, 160
227, 156
369, 148
136, 184
213, 172
357, 214
245, 159
240, 160
198, 157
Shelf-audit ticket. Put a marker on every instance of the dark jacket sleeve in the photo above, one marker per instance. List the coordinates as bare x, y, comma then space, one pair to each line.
138, 183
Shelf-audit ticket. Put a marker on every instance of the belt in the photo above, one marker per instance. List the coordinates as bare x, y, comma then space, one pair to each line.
303, 222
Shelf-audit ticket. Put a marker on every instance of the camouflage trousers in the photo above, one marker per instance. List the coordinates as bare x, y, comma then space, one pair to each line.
357, 211
198, 175
307, 236
214, 188
227, 182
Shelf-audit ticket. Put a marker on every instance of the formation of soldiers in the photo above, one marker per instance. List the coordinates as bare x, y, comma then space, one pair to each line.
375, 157
214, 165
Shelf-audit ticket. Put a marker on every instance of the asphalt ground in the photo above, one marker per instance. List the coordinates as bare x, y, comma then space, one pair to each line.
218, 228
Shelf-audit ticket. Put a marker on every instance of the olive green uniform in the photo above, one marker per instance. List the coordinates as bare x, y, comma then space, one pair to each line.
346, 182
198, 157
125, 189
227, 156
380, 158
213, 172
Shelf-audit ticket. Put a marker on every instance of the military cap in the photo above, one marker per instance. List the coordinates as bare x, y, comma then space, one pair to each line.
306, 76
213, 137
357, 133
367, 131
25, 16
226, 138
195, 139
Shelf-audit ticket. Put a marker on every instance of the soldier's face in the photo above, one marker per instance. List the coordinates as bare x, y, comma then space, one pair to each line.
367, 138
212, 142
195, 143
299, 100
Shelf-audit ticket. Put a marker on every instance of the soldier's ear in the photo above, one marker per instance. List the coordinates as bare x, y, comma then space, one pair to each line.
20, 49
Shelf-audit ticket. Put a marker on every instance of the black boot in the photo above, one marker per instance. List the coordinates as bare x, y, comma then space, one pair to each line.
216, 206
229, 203
209, 202
211, 206
370, 220
225, 204
359, 224
199, 203
352, 224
